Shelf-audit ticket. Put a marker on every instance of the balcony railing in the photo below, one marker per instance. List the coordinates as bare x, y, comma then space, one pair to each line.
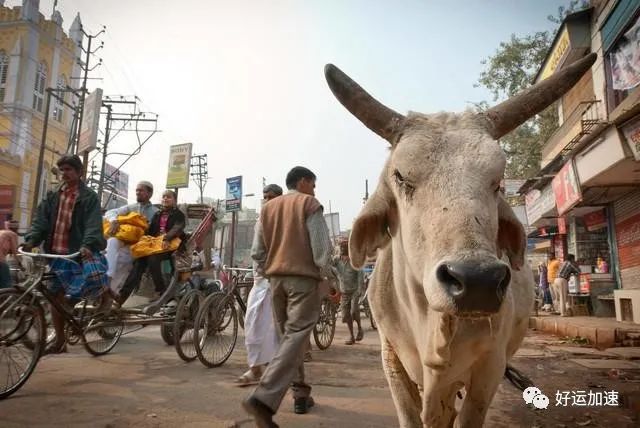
580, 122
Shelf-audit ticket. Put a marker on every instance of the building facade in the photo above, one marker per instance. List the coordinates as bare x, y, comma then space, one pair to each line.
35, 54
586, 196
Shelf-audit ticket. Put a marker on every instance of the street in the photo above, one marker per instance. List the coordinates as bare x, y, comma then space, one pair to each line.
143, 383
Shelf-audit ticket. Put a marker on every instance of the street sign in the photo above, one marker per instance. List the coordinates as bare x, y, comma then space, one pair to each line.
234, 194
90, 119
179, 164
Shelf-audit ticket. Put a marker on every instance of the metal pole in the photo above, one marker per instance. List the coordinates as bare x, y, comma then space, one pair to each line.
234, 220
104, 154
36, 192
85, 157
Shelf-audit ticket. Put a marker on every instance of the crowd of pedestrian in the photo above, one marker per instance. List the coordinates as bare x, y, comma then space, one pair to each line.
554, 284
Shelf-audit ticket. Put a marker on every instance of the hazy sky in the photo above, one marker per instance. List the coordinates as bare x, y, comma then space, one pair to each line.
243, 80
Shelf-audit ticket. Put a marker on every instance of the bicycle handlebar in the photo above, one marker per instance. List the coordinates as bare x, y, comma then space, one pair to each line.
49, 256
225, 267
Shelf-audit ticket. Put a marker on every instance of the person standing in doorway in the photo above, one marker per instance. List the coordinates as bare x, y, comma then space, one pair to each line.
292, 249
560, 286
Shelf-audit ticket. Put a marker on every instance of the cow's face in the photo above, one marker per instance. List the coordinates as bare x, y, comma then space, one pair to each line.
443, 178
438, 197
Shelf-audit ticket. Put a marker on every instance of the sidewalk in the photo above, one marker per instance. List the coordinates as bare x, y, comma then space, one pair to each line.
601, 333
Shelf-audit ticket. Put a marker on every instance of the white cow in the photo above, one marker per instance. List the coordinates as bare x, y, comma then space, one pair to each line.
448, 292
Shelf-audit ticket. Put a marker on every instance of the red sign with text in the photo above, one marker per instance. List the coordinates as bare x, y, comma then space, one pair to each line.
566, 188
595, 220
628, 237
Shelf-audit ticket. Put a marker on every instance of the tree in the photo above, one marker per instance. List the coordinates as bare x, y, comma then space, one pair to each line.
511, 69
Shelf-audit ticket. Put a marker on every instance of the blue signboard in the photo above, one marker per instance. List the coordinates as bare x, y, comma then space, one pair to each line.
234, 194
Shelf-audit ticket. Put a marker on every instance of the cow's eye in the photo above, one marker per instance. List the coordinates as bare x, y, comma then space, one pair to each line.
403, 184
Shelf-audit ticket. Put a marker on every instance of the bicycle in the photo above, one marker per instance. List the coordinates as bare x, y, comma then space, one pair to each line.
216, 324
325, 328
23, 326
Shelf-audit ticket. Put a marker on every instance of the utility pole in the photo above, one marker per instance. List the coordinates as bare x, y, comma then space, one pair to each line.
134, 117
85, 67
59, 95
366, 191
201, 174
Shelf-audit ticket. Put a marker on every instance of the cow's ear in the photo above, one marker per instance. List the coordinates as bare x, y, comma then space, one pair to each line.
511, 235
373, 226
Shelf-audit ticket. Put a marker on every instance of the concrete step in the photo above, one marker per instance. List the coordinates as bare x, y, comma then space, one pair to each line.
601, 333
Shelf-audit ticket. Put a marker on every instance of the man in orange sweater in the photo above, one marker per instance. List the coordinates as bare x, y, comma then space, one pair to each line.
292, 249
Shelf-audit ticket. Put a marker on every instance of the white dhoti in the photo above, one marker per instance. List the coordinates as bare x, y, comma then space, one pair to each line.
119, 262
260, 337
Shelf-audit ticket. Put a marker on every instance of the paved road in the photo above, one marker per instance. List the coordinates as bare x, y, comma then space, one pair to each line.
143, 383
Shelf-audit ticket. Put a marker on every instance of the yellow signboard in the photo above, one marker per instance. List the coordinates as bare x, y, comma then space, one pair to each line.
179, 163
557, 55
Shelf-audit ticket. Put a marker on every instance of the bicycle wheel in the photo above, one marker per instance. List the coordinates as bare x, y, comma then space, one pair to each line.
184, 325
368, 314
22, 340
102, 332
325, 328
166, 332
216, 330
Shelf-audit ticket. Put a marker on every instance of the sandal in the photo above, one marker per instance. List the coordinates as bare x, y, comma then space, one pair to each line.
350, 341
247, 379
360, 336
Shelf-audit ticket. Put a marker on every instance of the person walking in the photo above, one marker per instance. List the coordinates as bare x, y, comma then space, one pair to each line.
292, 249
260, 335
560, 288
69, 220
351, 283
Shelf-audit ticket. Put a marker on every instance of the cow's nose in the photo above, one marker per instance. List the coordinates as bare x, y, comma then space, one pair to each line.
475, 286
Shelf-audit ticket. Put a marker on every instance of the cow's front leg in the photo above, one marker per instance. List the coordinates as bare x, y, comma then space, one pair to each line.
486, 375
438, 401
404, 391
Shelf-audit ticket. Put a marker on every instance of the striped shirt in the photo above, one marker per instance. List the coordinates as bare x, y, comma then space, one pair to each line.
60, 241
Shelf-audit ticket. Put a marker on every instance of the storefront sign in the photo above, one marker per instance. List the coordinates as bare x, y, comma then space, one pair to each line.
539, 204
234, 194
595, 220
557, 55
632, 135
179, 164
566, 188
628, 237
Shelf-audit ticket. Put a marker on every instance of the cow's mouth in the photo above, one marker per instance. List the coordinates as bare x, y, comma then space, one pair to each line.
474, 314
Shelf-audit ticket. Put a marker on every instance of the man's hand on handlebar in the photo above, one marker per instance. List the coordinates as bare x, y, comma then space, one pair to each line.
26, 247
85, 253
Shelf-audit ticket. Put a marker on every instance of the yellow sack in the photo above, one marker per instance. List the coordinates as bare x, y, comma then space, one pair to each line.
134, 219
148, 245
132, 227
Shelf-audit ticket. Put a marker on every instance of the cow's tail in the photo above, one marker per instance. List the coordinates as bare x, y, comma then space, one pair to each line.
518, 380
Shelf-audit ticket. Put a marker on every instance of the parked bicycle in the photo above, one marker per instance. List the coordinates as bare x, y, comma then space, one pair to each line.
215, 330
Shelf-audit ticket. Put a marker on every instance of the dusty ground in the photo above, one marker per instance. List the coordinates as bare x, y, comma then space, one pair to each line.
143, 383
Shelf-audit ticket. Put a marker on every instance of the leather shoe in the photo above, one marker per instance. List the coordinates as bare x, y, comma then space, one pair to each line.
301, 405
261, 413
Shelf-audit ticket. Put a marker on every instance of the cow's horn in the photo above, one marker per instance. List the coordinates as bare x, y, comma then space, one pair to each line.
375, 116
510, 114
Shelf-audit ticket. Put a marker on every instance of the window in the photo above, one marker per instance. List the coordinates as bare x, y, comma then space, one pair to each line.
4, 69
622, 59
58, 106
38, 90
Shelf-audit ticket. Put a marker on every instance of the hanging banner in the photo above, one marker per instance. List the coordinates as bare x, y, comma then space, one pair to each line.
179, 164
566, 188
90, 119
234, 194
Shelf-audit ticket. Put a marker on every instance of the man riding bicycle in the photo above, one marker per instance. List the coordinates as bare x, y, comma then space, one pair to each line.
68, 220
